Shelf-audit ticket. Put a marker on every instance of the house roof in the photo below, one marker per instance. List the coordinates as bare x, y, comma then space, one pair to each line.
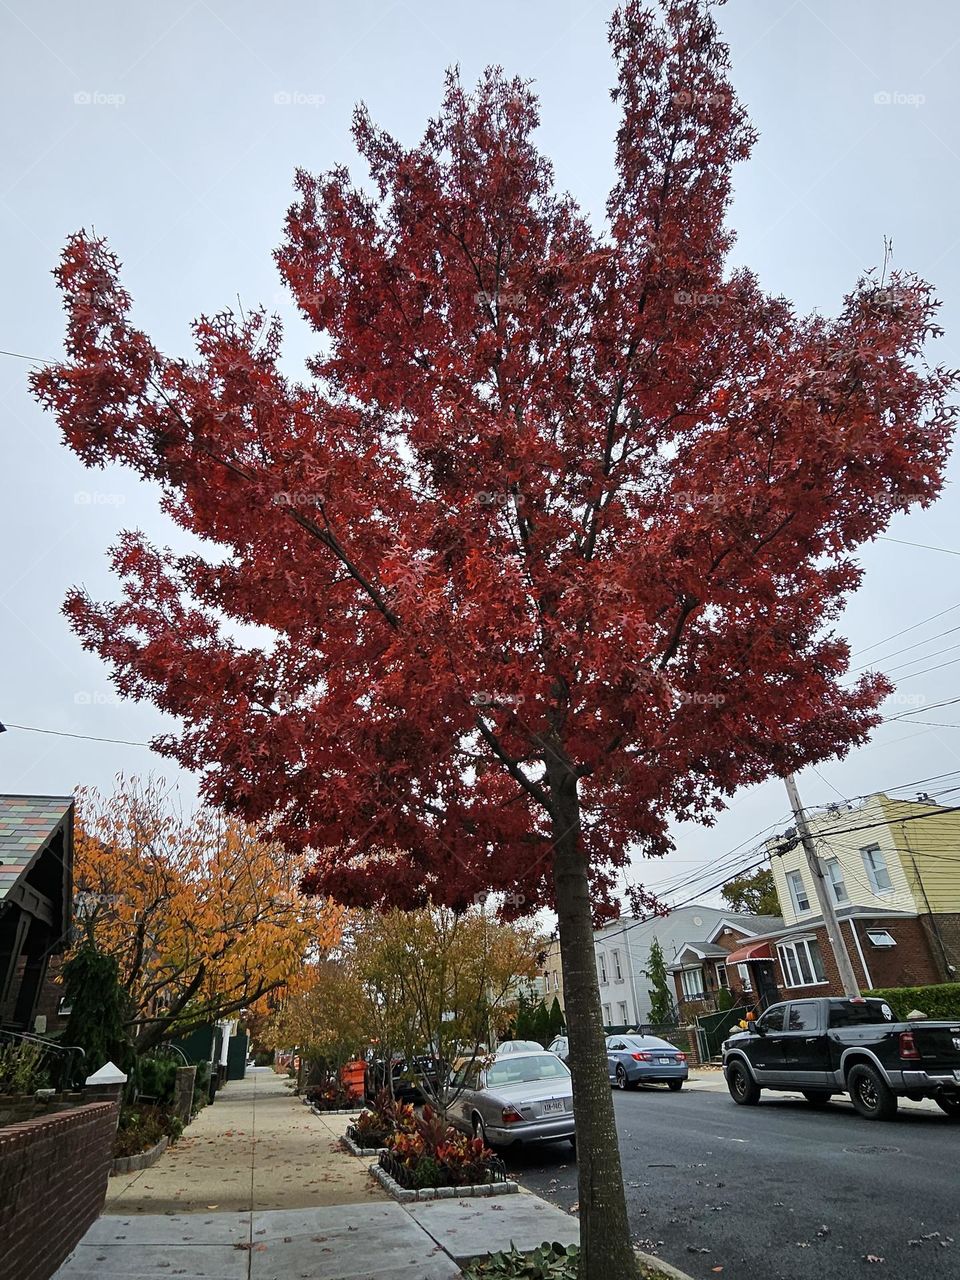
699, 951
749, 926
26, 825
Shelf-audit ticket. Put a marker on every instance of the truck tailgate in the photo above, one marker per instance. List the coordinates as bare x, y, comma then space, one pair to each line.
938, 1045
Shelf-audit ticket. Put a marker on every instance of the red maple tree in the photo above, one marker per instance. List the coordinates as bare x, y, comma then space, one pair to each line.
547, 550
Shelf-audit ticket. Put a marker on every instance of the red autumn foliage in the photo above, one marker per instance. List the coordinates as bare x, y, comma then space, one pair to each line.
549, 547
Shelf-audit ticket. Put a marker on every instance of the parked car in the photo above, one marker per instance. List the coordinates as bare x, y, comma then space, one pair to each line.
520, 1097
518, 1046
561, 1047
826, 1046
413, 1081
633, 1060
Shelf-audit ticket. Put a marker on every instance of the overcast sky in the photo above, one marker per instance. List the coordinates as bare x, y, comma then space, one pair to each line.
175, 130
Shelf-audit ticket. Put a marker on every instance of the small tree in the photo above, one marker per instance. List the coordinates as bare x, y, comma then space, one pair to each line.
99, 1011
754, 894
661, 1000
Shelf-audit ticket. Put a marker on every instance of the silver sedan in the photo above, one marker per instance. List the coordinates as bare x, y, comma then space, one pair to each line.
633, 1060
521, 1097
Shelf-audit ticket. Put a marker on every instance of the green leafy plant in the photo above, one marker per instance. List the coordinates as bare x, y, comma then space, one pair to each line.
142, 1127
156, 1078
21, 1067
547, 1262
661, 1001
99, 1010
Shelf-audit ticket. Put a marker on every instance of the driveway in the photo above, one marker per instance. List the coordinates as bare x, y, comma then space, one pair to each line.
778, 1191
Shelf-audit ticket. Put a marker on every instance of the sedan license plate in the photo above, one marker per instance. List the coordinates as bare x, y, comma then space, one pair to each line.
555, 1106
665, 1062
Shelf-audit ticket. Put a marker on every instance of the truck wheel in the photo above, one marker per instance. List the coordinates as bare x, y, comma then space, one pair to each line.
949, 1106
744, 1090
870, 1093
817, 1097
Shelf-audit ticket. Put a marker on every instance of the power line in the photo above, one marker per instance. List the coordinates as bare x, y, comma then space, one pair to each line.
896, 653
896, 635
924, 546
85, 737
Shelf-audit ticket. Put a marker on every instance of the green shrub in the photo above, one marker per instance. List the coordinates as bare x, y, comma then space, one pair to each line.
941, 1003
142, 1127
21, 1067
156, 1078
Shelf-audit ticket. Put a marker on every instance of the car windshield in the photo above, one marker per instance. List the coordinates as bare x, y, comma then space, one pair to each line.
519, 1070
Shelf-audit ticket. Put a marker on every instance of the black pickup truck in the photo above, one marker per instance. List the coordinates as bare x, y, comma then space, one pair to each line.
826, 1046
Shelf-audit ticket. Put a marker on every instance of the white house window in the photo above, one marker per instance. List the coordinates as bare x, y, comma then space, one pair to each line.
556, 980
798, 891
622, 1006
801, 963
876, 868
723, 978
617, 971
606, 1015
691, 980
602, 962
881, 938
744, 972
838, 886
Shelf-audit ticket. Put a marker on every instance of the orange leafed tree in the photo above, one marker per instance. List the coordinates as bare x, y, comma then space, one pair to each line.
203, 917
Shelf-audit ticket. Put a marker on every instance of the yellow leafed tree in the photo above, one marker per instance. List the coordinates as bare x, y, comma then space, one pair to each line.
203, 918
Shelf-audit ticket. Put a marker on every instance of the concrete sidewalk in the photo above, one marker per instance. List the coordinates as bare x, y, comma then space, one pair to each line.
256, 1147
257, 1189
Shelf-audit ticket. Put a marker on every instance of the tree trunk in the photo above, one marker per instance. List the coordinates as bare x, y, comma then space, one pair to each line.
606, 1250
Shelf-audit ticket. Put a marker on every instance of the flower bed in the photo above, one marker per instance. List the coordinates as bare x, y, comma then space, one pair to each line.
129, 1164
388, 1165
142, 1128
329, 1097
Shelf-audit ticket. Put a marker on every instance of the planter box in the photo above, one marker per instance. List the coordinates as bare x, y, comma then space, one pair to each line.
344, 1111
129, 1164
354, 1150
393, 1188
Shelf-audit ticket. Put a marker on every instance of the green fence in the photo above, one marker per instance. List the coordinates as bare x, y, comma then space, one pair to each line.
712, 1029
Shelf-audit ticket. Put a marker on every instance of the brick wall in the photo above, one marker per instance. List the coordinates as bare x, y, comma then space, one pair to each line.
910, 963
53, 1182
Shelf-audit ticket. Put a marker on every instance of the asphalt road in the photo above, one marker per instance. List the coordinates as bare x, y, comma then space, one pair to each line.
778, 1191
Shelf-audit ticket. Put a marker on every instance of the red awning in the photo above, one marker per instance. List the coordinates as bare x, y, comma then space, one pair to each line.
754, 951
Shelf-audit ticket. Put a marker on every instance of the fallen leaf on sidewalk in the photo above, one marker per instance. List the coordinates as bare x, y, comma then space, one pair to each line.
213, 1206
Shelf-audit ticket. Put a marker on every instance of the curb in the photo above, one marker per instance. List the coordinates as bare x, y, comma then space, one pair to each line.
129, 1164
354, 1150
404, 1196
658, 1265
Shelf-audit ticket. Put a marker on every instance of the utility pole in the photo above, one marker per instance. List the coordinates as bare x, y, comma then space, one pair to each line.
830, 920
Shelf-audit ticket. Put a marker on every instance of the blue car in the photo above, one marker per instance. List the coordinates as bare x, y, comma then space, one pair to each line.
633, 1060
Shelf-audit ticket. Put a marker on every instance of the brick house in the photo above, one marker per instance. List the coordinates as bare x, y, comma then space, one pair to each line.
892, 868
723, 961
